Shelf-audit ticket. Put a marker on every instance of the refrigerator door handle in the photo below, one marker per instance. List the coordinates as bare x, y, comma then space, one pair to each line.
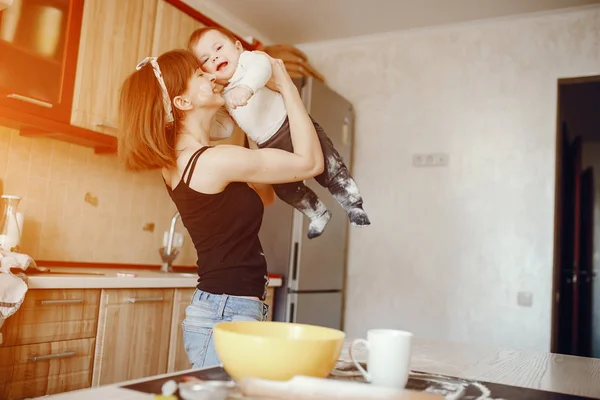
295, 262
291, 307
292, 312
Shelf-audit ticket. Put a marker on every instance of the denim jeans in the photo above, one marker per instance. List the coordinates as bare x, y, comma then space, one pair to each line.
206, 310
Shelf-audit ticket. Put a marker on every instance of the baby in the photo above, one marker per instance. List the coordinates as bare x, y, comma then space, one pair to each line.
260, 112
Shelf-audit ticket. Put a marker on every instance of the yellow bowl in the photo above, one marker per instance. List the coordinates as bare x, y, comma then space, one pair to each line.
277, 350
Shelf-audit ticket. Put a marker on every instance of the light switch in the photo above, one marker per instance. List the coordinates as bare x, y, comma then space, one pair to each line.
525, 299
430, 160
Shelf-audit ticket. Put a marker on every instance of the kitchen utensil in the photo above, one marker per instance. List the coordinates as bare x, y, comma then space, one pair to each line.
206, 390
276, 350
388, 361
10, 233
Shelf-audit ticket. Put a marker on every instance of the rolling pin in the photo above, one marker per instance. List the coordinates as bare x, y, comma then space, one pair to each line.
309, 388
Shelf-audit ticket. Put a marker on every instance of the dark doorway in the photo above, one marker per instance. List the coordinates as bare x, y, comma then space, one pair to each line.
576, 307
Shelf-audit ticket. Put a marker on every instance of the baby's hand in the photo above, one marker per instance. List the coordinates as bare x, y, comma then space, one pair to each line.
239, 96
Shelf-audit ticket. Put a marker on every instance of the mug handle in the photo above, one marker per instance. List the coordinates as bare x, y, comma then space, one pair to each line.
364, 373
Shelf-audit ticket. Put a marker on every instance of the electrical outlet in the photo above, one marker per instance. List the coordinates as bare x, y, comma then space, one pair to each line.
525, 299
430, 160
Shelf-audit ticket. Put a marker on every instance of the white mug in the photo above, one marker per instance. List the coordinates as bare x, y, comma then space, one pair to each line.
388, 362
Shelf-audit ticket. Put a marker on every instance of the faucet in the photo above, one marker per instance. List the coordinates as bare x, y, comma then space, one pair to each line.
169, 254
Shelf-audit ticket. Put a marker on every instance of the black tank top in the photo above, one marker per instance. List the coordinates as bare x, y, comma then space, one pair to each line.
224, 228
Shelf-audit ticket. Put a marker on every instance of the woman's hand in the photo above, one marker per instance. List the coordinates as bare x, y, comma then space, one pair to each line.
280, 79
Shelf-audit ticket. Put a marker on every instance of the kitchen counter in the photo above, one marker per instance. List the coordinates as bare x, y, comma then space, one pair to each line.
535, 370
109, 278
529, 369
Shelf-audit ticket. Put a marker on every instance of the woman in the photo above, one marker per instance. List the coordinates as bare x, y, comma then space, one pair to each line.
166, 110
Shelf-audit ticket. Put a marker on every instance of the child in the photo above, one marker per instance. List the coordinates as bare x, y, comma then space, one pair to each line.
260, 112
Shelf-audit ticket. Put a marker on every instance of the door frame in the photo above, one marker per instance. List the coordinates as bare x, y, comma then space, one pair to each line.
558, 179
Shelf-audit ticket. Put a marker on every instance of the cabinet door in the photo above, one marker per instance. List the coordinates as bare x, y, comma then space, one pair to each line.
116, 35
133, 334
178, 359
173, 28
38, 55
45, 368
49, 315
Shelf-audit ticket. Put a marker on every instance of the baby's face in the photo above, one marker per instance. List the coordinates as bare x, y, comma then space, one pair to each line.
218, 55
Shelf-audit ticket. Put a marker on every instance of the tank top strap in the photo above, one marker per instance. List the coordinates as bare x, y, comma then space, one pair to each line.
192, 164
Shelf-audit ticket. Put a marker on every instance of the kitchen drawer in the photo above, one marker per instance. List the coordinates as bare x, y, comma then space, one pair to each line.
49, 315
46, 368
137, 296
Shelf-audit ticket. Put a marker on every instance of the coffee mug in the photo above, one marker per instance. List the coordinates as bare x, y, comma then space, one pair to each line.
388, 361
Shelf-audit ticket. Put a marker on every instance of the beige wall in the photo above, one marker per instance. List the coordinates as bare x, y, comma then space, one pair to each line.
450, 248
53, 179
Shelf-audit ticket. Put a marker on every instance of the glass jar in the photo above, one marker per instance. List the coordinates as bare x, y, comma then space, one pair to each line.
10, 230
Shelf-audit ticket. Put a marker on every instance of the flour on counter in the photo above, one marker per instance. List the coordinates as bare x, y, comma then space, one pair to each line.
449, 387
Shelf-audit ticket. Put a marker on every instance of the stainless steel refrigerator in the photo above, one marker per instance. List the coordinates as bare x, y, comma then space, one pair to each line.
313, 270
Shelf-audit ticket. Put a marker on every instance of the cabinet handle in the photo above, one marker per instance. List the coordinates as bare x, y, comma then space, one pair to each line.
145, 300
65, 301
53, 356
106, 126
30, 100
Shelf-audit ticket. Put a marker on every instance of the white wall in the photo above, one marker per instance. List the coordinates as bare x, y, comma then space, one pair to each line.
449, 248
226, 19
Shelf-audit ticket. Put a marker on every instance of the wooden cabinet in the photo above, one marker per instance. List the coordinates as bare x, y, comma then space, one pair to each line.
38, 48
48, 344
116, 35
45, 368
52, 315
172, 29
133, 334
62, 62
62, 340
178, 359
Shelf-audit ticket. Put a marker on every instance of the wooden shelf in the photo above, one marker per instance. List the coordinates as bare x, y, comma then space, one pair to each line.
35, 126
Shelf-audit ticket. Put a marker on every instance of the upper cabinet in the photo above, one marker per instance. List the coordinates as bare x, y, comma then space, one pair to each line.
38, 55
63, 62
172, 29
115, 36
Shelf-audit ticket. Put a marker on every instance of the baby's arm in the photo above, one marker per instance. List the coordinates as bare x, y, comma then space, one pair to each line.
222, 125
257, 72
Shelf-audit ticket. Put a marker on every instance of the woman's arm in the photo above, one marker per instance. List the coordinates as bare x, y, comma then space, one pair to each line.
264, 190
238, 164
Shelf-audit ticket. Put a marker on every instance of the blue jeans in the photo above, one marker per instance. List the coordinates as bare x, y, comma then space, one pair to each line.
207, 309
